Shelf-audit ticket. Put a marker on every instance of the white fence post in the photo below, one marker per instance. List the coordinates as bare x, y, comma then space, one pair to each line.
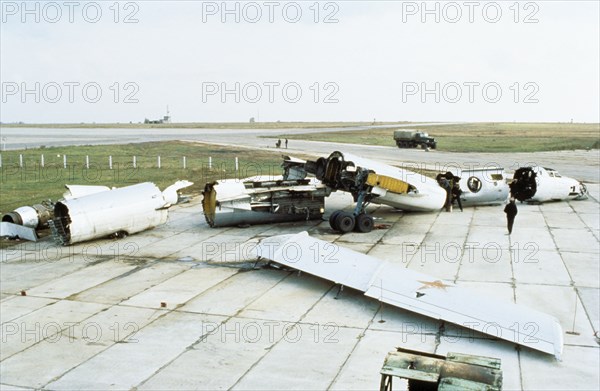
184, 163
64, 161
110, 162
210, 162
158, 161
21, 160
42, 163
87, 162
134, 162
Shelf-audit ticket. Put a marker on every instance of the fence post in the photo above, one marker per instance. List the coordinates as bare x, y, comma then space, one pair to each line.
42, 160
184, 163
21, 160
158, 161
237, 167
134, 162
64, 161
110, 162
0, 160
87, 162
210, 162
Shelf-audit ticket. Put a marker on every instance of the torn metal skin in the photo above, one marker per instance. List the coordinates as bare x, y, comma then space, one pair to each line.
258, 201
539, 184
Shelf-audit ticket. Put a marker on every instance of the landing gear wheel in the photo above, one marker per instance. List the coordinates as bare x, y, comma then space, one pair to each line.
120, 234
332, 219
345, 222
364, 223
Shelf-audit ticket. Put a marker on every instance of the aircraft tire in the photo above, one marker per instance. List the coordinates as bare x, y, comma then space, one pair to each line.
364, 223
332, 219
345, 222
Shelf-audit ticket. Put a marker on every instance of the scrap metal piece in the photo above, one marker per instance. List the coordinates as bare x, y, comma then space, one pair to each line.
16, 231
76, 191
120, 212
539, 184
36, 216
171, 193
259, 201
417, 292
456, 371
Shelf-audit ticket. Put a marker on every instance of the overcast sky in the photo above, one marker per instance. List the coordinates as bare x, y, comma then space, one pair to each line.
300, 61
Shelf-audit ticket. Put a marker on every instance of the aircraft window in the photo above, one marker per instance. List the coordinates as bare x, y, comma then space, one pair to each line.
474, 184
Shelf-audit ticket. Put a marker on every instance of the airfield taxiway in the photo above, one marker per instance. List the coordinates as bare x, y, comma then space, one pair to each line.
183, 307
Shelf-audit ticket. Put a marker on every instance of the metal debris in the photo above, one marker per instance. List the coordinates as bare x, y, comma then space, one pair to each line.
454, 372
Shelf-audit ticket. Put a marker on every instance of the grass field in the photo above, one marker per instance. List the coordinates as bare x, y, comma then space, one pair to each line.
33, 183
481, 137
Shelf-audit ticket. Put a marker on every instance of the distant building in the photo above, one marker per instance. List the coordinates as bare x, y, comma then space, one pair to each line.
165, 119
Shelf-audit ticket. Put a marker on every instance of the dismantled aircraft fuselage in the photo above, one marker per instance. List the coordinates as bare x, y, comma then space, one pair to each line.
369, 181
539, 184
479, 186
258, 201
294, 197
88, 214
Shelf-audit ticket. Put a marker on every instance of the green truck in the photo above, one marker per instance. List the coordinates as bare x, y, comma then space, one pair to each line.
413, 139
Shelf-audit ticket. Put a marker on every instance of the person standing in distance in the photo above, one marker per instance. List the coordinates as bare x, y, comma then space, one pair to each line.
511, 212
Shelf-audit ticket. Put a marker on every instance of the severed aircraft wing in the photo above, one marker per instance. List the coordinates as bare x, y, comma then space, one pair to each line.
417, 292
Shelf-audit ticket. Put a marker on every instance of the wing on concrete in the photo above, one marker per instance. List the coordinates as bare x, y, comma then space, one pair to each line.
417, 292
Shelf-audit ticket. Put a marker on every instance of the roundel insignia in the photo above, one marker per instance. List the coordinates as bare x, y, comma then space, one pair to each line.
474, 184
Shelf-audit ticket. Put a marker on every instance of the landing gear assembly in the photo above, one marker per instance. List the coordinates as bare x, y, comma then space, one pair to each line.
358, 221
347, 222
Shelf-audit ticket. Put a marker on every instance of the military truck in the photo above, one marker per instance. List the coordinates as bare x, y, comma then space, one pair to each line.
413, 139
